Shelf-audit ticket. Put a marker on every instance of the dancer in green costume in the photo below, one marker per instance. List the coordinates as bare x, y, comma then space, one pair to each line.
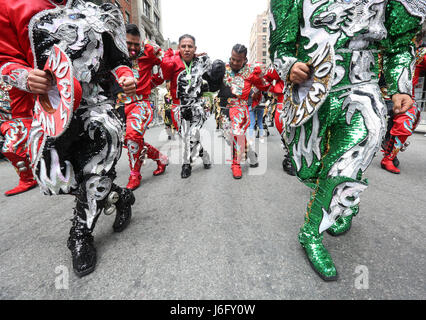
327, 53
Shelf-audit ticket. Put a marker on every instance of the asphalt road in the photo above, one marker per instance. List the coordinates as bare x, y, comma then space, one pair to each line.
213, 237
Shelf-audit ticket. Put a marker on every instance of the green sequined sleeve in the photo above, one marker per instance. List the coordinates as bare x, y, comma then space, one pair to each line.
284, 35
399, 52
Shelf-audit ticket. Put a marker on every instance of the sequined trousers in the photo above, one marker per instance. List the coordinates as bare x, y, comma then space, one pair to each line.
189, 123
334, 148
81, 161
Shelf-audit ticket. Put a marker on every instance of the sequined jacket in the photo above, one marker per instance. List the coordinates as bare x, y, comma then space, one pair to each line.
142, 68
183, 91
151, 56
95, 42
354, 32
420, 68
234, 87
92, 36
16, 57
276, 84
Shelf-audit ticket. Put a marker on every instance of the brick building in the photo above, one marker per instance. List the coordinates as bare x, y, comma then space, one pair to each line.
259, 40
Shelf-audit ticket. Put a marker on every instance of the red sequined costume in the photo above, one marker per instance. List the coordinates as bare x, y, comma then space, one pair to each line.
403, 124
15, 63
276, 86
234, 91
139, 115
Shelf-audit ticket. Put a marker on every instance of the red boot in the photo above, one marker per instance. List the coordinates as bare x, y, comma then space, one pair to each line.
390, 151
387, 164
26, 178
161, 165
238, 149
137, 153
134, 180
161, 159
236, 171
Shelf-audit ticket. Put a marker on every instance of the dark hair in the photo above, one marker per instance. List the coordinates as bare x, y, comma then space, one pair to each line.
186, 36
133, 30
420, 36
240, 49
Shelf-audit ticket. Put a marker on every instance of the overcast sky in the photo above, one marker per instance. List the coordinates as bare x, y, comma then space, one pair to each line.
216, 24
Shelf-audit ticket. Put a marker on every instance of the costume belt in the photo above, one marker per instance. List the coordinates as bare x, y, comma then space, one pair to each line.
122, 98
236, 102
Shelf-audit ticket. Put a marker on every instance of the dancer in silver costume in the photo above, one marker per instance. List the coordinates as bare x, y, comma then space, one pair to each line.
81, 160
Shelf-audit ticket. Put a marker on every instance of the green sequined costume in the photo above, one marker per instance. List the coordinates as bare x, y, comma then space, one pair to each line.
332, 145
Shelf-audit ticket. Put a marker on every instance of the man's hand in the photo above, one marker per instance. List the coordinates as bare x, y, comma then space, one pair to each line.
401, 103
39, 81
299, 73
129, 85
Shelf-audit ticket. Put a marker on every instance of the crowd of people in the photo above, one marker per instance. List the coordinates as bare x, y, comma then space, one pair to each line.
76, 80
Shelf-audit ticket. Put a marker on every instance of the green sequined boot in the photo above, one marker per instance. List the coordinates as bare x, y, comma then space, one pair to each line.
343, 224
317, 254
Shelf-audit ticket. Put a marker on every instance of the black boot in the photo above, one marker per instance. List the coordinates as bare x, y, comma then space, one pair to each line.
123, 207
254, 163
81, 245
201, 155
186, 171
288, 166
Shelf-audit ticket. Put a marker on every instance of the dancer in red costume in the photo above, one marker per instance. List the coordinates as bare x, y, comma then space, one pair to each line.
404, 124
234, 82
138, 109
277, 88
14, 70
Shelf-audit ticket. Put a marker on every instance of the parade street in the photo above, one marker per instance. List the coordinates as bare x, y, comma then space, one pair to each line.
213, 237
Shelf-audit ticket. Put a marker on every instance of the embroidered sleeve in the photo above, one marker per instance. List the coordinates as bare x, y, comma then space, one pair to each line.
284, 34
15, 75
398, 48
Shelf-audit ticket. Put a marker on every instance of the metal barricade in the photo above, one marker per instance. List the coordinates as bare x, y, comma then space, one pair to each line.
420, 97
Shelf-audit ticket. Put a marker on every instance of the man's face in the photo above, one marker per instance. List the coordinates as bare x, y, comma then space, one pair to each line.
237, 61
134, 45
187, 49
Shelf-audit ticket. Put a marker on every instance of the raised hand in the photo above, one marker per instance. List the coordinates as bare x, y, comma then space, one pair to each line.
129, 85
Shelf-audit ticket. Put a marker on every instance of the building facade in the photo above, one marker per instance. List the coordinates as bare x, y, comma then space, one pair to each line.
146, 14
259, 40
150, 20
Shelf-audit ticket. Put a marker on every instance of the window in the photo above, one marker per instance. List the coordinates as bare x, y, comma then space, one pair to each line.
264, 53
264, 61
127, 17
117, 3
156, 2
264, 38
157, 21
147, 9
265, 30
264, 45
